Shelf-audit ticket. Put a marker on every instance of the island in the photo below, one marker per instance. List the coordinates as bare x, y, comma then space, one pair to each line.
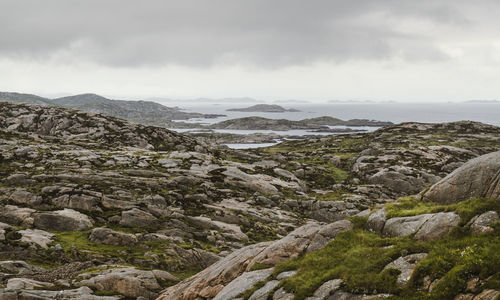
268, 108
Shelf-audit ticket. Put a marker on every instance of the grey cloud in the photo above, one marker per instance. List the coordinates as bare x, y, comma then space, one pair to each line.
202, 33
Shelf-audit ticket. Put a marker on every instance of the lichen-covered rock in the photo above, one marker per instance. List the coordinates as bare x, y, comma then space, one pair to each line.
138, 218
437, 226
479, 177
27, 284
481, 224
36, 237
110, 237
404, 226
62, 220
376, 221
130, 282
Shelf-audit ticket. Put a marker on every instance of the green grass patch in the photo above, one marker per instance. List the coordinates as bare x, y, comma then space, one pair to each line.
411, 206
357, 256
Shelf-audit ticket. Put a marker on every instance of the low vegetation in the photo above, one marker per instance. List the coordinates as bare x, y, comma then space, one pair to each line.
358, 257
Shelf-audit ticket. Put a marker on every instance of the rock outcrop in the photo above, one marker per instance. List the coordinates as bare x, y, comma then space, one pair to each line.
479, 177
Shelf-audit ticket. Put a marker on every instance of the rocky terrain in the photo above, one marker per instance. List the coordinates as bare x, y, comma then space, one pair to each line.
95, 207
264, 108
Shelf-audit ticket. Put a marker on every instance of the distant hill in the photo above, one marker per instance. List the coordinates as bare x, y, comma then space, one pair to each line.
145, 112
140, 111
272, 108
24, 98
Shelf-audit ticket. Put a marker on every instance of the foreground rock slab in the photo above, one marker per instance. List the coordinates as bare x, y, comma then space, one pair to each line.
479, 177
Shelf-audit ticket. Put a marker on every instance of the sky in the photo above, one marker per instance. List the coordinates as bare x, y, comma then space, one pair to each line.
398, 50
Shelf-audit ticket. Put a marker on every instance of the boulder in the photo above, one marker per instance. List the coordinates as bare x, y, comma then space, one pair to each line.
376, 221
110, 237
481, 224
404, 226
208, 223
82, 202
17, 267
16, 215
27, 284
138, 218
21, 196
36, 237
479, 177
129, 282
62, 220
398, 182
437, 226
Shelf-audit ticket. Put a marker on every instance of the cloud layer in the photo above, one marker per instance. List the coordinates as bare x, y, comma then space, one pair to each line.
278, 48
202, 33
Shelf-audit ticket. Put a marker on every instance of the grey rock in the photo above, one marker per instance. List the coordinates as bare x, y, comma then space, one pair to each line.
36, 237
376, 221
27, 284
138, 218
16, 215
130, 282
482, 223
81, 202
404, 226
398, 182
17, 267
110, 237
437, 226
21, 196
285, 275
62, 220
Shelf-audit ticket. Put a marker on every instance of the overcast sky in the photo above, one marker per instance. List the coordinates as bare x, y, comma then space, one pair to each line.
403, 50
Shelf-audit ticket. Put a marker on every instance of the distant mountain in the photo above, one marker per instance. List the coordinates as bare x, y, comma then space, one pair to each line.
24, 98
145, 112
270, 108
140, 111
